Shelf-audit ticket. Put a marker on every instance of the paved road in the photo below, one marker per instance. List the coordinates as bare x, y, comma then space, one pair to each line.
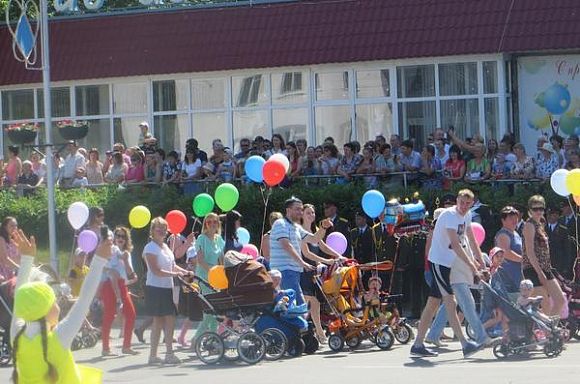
367, 364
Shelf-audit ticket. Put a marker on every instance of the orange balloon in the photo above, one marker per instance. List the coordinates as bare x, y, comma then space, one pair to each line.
217, 277
577, 200
273, 172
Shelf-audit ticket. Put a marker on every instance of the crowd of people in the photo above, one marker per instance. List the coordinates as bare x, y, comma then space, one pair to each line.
445, 158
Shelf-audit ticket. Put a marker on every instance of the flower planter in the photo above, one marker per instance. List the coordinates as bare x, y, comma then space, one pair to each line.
24, 136
71, 132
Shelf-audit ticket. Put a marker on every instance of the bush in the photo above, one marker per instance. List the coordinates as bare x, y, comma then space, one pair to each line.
32, 212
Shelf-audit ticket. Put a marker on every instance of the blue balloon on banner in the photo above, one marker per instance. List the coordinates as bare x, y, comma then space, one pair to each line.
557, 99
243, 235
373, 203
253, 167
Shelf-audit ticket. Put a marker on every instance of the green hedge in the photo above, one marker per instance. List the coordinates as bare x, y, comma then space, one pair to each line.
31, 212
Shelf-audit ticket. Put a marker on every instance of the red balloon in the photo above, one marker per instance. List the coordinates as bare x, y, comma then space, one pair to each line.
176, 221
273, 172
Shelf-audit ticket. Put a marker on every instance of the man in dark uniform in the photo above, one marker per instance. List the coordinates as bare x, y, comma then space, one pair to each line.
339, 224
385, 248
560, 254
361, 238
567, 219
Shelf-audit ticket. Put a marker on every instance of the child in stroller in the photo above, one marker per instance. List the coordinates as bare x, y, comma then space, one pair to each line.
530, 303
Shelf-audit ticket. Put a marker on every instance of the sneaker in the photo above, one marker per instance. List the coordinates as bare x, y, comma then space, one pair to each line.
172, 359
470, 348
421, 351
489, 341
436, 343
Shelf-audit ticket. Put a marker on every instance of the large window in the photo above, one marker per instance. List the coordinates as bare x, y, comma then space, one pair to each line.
130, 98
208, 126
416, 81
292, 123
373, 120
461, 114
208, 94
18, 104
59, 102
457, 79
92, 100
290, 88
249, 124
126, 130
333, 121
170, 95
372, 84
331, 86
250, 91
172, 131
416, 119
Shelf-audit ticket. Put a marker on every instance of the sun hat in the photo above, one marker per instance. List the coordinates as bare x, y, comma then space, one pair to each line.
548, 147
494, 250
32, 301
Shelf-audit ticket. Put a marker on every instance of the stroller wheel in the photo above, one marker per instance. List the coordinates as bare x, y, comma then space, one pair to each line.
5, 353
403, 333
500, 350
311, 343
89, 340
209, 348
296, 347
553, 347
251, 347
77, 343
276, 343
385, 338
353, 342
576, 332
336, 342
230, 346
469, 331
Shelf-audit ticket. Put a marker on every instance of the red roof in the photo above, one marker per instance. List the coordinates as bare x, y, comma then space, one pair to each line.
296, 33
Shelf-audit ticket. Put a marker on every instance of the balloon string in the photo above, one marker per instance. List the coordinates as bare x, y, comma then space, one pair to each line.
72, 252
265, 199
577, 243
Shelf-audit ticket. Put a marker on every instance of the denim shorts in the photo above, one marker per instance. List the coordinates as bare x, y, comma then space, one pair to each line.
291, 280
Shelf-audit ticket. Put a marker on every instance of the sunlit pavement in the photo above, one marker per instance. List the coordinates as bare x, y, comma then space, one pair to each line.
366, 364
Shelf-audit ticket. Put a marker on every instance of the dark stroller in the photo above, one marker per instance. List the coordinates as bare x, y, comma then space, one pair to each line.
249, 294
526, 329
6, 305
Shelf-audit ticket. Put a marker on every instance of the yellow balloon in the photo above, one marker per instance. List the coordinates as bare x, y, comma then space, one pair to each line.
139, 216
217, 277
573, 181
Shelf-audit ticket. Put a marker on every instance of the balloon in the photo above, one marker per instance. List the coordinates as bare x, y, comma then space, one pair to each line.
558, 182
243, 235
337, 242
273, 172
373, 203
203, 204
573, 181
217, 277
139, 216
577, 200
88, 241
281, 158
556, 99
478, 232
226, 196
250, 250
77, 214
569, 124
253, 167
176, 221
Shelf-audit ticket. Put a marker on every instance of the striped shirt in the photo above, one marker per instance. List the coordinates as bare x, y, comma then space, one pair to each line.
280, 259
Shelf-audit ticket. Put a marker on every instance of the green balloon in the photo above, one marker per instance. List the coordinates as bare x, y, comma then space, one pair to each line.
568, 124
202, 204
226, 196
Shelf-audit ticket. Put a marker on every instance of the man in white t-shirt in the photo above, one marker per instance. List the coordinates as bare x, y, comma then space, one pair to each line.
449, 247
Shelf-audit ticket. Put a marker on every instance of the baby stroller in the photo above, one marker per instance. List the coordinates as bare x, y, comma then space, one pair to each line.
6, 305
287, 318
353, 320
526, 329
571, 290
237, 309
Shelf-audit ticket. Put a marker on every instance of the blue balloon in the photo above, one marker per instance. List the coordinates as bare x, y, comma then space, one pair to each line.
556, 99
253, 167
243, 235
373, 203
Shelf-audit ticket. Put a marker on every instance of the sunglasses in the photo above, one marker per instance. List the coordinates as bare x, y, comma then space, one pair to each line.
538, 209
120, 236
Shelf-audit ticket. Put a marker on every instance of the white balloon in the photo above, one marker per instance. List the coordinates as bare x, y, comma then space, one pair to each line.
77, 214
558, 182
282, 158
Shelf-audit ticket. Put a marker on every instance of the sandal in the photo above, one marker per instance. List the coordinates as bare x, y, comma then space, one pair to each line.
129, 351
155, 361
172, 359
107, 352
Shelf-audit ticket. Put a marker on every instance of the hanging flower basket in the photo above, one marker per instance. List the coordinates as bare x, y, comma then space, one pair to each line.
72, 130
22, 133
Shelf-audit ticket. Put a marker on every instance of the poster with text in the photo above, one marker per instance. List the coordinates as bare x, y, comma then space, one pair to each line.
549, 97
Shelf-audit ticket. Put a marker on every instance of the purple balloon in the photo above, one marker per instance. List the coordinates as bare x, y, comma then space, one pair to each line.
337, 242
88, 241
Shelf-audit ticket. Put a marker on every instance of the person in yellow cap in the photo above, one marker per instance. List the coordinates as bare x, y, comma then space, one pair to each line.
41, 344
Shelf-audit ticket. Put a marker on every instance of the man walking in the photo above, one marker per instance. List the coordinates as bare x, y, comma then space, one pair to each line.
285, 238
449, 249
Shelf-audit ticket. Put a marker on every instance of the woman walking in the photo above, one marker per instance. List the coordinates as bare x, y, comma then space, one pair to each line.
536, 258
161, 269
210, 252
118, 275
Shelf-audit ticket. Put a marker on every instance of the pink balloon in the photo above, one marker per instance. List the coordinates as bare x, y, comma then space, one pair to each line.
250, 250
478, 232
337, 242
88, 241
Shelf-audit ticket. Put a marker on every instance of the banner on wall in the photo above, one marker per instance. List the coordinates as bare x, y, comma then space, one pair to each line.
549, 97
